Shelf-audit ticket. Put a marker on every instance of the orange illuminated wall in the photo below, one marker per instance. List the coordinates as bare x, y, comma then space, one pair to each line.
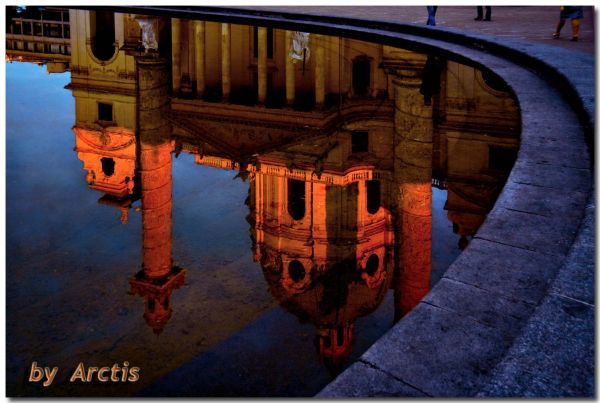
108, 158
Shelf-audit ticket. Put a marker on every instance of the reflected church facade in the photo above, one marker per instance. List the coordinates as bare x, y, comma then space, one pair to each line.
340, 141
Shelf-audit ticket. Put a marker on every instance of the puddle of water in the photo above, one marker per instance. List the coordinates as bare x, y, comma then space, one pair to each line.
232, 223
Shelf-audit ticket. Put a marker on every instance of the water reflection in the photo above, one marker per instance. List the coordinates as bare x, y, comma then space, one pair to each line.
340, 142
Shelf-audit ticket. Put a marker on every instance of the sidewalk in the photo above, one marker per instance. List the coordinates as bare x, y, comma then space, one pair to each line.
529, 23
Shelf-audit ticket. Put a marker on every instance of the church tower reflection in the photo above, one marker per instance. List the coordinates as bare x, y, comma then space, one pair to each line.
124, 142
324, 241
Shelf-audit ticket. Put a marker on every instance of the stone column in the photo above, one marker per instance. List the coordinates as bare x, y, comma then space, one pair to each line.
176, 53
199, 32
262, 65
290, 73
158, 278
226, 60
154, 167
413, 133
319, 71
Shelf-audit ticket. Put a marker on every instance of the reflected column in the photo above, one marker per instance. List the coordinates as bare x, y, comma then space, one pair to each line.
158, 278
199, 33
413, 146
226, 60
290, 74
262, 65
320, 71
176, 52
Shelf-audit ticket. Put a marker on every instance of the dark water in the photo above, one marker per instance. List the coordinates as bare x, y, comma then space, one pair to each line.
244, 319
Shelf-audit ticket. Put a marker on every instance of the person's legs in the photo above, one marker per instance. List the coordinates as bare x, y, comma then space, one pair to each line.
575, 22
479, 13
431, 15
488, 13
559, 26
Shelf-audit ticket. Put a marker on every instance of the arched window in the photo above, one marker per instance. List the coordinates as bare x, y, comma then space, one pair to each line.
296, 271
296, 198
102, 25
108, 166
372, 264
340, 336
373, 196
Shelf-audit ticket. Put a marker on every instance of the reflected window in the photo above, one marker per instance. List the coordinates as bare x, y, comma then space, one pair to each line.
103, 34
151, 305
372, 264
360, 141
501, 158
340, 336
105, 112
296, 271
296, 198
373, 196
108, 166
361, 76
269, 42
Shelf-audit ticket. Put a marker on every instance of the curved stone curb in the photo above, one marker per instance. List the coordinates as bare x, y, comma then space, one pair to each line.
451, 343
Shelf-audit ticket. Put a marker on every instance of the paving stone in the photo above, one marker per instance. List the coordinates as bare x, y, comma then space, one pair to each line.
522, 81
547, 235
361, 380
553, 357
503, 313
551, 176
577, 278
547, 202
542, 150
516, 381
501, 269
438, 352
546, 122
543, 105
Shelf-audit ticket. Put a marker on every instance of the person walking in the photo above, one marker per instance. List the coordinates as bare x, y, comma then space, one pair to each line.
431, 10
488, 13
575, 14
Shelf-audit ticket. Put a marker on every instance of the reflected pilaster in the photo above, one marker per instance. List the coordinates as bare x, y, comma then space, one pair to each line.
200, 55
262, 65
226, 60
320, 71
176, 52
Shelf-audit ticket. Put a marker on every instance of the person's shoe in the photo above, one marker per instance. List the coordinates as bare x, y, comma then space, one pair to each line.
487, 19
574, 39
556, 35
478, 18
